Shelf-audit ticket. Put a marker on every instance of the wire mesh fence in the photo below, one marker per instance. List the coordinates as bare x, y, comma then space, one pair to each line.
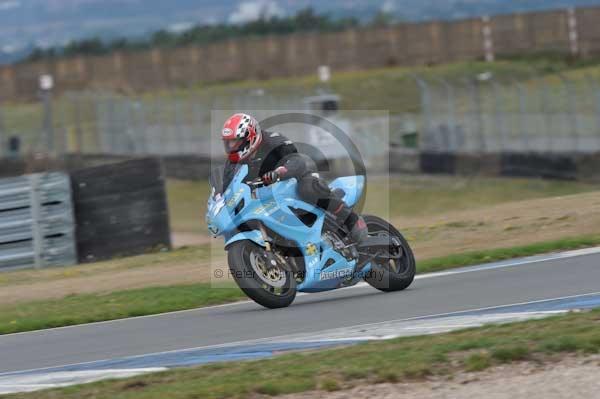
162, 125
169, 124
472, 114
553, 114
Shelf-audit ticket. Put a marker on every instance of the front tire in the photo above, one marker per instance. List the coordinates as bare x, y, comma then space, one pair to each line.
390, 276
272, 288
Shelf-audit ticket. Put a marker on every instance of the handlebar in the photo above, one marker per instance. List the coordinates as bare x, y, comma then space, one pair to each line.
256, 183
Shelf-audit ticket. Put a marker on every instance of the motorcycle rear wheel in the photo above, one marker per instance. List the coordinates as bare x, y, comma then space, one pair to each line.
271, 287
392, 275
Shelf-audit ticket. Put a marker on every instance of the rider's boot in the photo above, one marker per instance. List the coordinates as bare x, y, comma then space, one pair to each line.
354, 222
359, 231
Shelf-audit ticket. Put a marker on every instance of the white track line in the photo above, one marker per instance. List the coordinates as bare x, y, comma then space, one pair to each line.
462, 270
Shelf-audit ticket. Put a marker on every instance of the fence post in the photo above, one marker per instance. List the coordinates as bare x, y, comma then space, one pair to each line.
48, 124
191, 119
179, 128
2, 134
161, 125
597, 90
450, 115
100, 107
573, 35
596, 98
61, 124
129, 128
172, 145
573, 120
197, 125
488, 40
546, 114
425, 112
202, 131
110, 124
523, 135
475, 91
143, 126
76, 100
499, 117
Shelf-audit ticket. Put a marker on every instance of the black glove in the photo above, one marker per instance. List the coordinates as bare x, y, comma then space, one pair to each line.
273, 176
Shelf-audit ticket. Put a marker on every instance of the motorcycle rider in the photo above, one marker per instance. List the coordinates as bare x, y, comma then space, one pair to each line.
273, 157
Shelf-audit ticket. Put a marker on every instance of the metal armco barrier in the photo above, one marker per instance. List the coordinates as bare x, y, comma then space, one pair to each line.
36, 221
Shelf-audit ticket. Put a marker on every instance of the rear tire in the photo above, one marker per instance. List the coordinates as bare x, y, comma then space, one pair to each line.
390, 277
275, 288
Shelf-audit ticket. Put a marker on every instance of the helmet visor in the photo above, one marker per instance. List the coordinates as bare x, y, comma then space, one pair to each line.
233, 146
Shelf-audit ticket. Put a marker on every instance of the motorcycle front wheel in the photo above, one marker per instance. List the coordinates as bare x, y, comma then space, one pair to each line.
270, 286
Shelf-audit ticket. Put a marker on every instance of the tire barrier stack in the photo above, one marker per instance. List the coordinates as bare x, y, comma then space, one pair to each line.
36, 221
56, 219
120, 209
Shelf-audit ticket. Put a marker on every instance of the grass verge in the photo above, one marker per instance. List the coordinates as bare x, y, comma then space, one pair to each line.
494, 255
398, 360
80, 309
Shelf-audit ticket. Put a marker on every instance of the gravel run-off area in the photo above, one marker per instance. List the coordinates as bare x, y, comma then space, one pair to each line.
571, 378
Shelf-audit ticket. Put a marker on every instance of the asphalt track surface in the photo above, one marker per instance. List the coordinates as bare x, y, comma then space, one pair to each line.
511, 282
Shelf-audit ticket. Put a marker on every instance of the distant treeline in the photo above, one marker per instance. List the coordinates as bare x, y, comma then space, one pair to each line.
305, 20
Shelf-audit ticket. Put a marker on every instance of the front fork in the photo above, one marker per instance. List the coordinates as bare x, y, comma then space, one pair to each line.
265, 237
272, 258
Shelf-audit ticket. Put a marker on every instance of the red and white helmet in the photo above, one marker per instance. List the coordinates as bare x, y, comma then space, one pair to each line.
241, 137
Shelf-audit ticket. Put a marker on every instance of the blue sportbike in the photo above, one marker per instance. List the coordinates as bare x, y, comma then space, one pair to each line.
278, 245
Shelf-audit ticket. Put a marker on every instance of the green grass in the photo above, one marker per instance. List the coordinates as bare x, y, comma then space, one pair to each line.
391, 88
397, 360
394, 88
478, 362
80, 309
493, 255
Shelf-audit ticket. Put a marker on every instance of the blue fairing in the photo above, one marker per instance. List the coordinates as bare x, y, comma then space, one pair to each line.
353, 186
254, 236
274, 207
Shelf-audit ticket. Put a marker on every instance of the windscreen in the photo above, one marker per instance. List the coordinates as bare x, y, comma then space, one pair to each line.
216, 179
